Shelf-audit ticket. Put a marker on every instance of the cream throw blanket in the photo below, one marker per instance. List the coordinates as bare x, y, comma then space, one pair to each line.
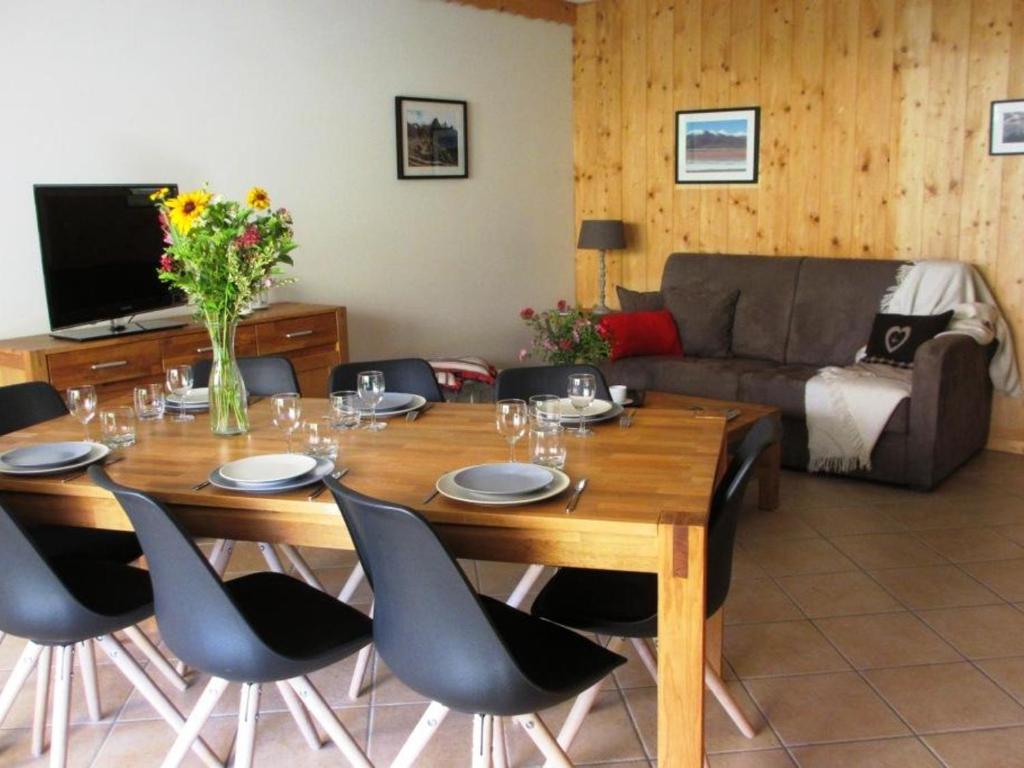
847, 408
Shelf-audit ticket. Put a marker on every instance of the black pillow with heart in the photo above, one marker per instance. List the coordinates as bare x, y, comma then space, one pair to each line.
895, 338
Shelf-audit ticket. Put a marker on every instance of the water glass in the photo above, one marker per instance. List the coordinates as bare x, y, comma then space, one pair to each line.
319, 439
287, 410
370, 385
150, 402
512, 417
82, 405
547, 445
179, 383
546, 410
118, 426
345, 409
582, 389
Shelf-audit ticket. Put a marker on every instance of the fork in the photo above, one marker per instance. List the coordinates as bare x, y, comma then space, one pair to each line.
106, 463
413, 415
626, 419
337, 475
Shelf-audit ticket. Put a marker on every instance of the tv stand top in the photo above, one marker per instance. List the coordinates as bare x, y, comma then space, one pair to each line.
120, 329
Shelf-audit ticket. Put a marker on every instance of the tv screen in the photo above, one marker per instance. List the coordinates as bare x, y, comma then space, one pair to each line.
101, 246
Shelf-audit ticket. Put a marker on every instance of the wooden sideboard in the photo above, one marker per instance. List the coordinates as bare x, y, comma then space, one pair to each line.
313, 336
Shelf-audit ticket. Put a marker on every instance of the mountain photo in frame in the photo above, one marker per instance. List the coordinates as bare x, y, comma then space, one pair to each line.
431, 137
717, 146
1007, 136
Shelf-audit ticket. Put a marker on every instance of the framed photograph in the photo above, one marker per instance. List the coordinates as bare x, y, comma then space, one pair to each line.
431, 138
717, 146
1007, 128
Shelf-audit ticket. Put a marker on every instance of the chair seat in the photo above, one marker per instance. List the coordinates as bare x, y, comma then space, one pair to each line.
67, 541
618, 603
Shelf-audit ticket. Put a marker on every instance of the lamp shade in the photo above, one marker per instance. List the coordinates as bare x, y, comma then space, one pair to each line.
602, 235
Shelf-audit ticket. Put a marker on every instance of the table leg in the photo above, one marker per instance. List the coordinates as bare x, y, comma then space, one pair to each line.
681, 563
713, 640
769, 468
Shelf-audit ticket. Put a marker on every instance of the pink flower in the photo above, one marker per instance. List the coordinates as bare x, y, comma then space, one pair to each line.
523, 354
166, 263
527, 313
250, 237
565, 344
562, 305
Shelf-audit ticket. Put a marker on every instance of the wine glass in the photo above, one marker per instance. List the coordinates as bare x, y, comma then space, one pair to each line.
287, 410
370, 385
582, 388
513, 419
82, 405
179, 383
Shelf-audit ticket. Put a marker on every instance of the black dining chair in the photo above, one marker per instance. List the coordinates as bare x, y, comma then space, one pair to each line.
261, 628
61, 604
524, 383
410, 375
464, 651
624, 605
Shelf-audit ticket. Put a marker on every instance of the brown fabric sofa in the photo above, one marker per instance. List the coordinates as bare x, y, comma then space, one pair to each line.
796, 315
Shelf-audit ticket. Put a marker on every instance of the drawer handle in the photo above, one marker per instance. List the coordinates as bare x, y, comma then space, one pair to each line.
201, 350
111, 364
297, 334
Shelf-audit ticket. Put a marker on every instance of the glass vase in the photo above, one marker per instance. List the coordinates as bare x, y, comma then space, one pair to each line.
229, 407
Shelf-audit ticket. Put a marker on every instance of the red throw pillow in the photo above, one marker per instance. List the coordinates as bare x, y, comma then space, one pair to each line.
642, 333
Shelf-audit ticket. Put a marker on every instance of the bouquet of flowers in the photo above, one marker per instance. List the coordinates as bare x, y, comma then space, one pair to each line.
566, 335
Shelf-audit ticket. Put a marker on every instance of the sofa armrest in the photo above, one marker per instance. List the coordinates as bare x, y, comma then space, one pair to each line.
950, 407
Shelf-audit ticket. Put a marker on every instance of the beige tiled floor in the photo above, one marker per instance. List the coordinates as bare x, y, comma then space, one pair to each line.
866, 626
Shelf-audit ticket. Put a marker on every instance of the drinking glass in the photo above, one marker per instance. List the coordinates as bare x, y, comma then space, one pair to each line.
82, 405
287, 410
371, 391
513, 419
582, 388
149, 402
546, 410
117, 426
547, 447
319, 438
345, 409
179, 383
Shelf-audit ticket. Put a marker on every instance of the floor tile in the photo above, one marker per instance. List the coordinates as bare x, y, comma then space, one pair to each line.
887, 550
1000, 748
936, 510
607, 733
888, 753
83, 743
825, 708
838, 594
850, 520
769, 758
758, 600
784, 648
147, 742
945, 697
789, 557
756, 524
1005, 577
966, 545
632, 674
937, 586
1008, 674
1014, 533
451, 745
980, 632
886, 640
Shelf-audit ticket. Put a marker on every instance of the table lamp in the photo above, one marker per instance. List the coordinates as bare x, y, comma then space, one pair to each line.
602, 235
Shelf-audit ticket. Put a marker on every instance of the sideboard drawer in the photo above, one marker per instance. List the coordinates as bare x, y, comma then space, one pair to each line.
100, 365
297, 333
189, 347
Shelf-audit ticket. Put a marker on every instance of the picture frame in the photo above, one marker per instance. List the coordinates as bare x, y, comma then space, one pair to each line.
718, 146
432, 138
1006, 132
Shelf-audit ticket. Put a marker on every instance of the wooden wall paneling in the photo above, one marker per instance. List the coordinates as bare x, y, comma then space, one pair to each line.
609, 85
587, 176
715, 66
660, 137
634, 145
687, 82
744, 90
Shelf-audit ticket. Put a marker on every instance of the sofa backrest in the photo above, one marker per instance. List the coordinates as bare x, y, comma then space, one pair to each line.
767, 287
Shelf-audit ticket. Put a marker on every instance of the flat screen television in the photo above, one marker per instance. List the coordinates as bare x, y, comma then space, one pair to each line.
101, 246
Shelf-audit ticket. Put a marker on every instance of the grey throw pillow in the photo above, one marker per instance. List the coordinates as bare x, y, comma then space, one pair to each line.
704, 318
639, 301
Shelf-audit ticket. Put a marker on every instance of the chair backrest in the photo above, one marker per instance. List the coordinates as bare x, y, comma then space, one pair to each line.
428, 623
523, 383
197, 617
726, 507
22, 405
409, 374
263, 376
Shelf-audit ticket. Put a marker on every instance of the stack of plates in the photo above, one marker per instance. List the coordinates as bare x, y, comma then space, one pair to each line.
272, 473
395, 403
49, 458
501, 485
196, 400
598, 410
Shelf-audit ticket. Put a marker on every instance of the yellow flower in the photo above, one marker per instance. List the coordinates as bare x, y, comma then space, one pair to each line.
258, 198
160, 194
186, 208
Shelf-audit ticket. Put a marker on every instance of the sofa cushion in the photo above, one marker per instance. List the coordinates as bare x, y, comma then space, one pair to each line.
835, 305
636, 334
639, 301
783, 386
766, 285
704, 318
702, 377
895, 338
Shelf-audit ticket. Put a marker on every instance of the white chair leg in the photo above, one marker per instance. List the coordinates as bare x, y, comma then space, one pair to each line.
65, 659
421, 735
221, 555
270, 555
302, 567
526, 582
22, 669
87, 665
248, 712
141, 640
196, 720
299, 715
647, 655
42, 703
130, 668
716, 685
499, 748
482, 737
352, 583
317, 707
355, 687
545, 742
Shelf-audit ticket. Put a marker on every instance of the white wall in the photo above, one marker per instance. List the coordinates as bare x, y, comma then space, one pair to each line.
298, 97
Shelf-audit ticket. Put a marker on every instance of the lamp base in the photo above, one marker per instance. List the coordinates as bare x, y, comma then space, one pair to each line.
600, 308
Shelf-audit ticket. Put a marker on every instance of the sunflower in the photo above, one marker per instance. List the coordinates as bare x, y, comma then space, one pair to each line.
160, 194
258, 198
185, 209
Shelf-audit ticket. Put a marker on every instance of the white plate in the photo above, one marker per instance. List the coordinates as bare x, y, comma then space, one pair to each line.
573, 421
505, 479
417, 402
47, 455
98, 452
393, 401
323, 468
270, 468
446, 487
596, 408
197, 397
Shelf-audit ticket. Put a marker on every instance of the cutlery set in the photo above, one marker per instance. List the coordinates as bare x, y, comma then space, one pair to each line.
413, 415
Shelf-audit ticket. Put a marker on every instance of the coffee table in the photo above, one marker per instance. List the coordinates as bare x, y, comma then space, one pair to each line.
770, 465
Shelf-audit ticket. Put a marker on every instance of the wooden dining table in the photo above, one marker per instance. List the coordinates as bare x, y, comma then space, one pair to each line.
645, 508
